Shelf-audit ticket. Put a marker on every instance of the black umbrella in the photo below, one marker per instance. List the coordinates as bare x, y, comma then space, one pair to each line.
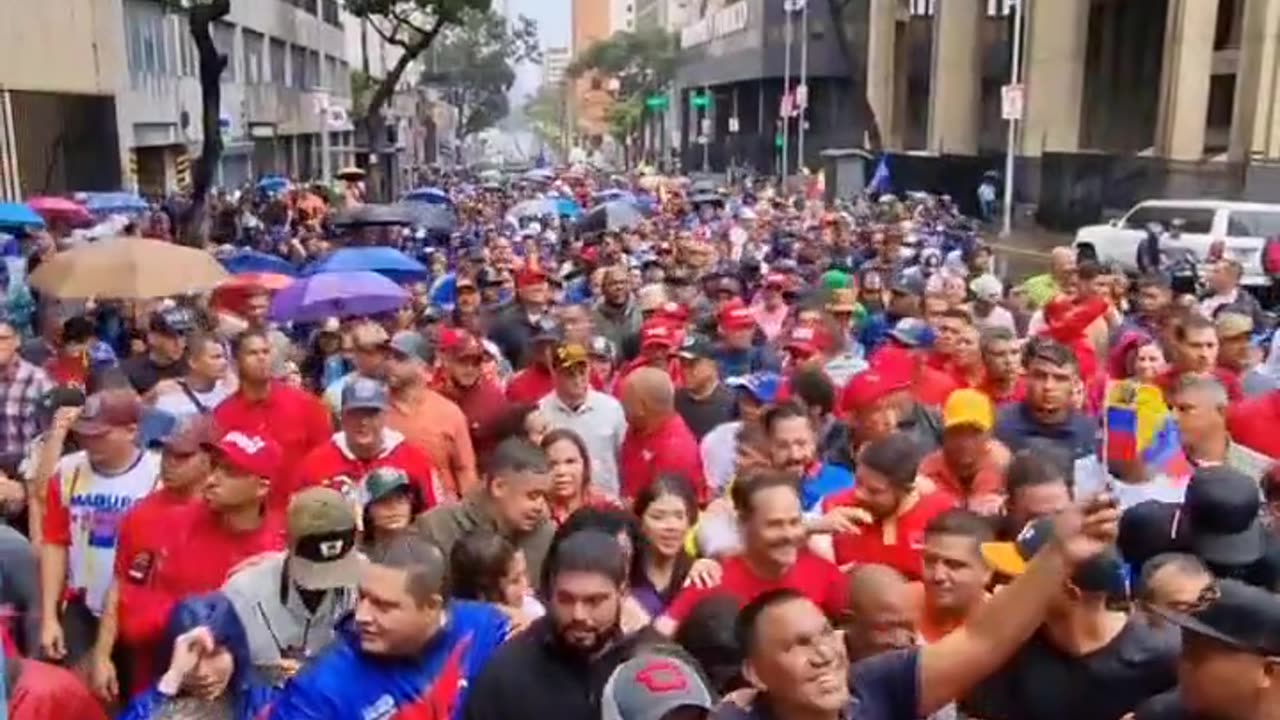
372, 216
432, 218
706, 198
701, 187
616, 215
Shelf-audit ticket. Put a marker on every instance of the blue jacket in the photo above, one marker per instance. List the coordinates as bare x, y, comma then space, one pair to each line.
149, 704
344, 683
828, 480
735, 363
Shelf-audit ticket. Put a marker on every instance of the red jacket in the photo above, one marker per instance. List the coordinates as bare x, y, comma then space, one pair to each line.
669, 448
483, 404
531, 385
333, 465
294, 419
1253, 424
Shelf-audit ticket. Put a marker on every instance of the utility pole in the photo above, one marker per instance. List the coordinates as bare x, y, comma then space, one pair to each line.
784, 117
704, 129
1015, 81
802, 91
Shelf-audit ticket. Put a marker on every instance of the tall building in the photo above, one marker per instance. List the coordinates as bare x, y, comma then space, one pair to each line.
622, 14
555, 60
592, 22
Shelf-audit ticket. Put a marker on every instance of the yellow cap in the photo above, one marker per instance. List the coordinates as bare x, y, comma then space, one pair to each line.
969, 407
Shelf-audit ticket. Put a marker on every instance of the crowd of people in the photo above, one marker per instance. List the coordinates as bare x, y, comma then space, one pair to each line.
749, 457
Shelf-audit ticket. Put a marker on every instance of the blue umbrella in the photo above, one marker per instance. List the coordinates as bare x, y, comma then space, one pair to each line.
566, 207
245, 260
385, 261
338, 294
110, 203
18, 214
612, 194
273, 184
429, 195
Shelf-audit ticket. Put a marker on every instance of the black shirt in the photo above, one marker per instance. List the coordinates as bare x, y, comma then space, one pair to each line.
884, 687
1041, 682
144, 373
701, 415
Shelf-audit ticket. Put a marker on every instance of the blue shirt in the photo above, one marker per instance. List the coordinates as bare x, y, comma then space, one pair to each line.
829, 479
1016, 428
884, 687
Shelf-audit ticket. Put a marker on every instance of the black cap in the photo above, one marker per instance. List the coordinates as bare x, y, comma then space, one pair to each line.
1221, 509
907, 285
1149, 529
1102, 573
1236, 614
696, 347
174, 321
489, 277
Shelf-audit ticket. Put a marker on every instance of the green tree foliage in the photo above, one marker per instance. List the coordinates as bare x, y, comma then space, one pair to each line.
474, 66
547, 113
642, 62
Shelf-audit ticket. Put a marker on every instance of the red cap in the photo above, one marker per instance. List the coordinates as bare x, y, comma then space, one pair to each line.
736, 317
530, 276
456, 341
866, 389
250, 454
807, 340
776, 280
673, 312
656, 333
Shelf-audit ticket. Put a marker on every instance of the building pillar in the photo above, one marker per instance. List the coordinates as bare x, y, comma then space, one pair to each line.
883, 70
1255, 122
1057, 33
955, 90
1184, 79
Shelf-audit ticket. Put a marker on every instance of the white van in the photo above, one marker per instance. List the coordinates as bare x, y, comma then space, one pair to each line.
1243, 226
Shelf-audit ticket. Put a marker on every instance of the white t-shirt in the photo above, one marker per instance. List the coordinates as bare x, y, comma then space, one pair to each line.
84, 513
179, 404
1092, 477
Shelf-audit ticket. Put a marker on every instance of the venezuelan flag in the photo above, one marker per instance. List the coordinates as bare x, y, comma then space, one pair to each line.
1139, 426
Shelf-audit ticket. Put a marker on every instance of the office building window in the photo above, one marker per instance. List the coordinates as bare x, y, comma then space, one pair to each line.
253, 48
314, 79
329, 10
224, 38
279, 53
342, 86
298, 68
310, 6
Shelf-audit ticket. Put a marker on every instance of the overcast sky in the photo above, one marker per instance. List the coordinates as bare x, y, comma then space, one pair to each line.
554, 18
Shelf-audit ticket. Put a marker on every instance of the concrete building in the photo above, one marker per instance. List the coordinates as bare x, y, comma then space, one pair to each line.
555, 60
592, 22
60, 64
622, 14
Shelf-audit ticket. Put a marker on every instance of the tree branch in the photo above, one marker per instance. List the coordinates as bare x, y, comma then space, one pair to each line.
387, 86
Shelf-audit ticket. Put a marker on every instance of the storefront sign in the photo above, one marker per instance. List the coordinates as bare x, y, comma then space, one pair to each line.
726, 21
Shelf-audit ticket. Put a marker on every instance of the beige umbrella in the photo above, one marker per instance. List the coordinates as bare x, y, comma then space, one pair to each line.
128, 268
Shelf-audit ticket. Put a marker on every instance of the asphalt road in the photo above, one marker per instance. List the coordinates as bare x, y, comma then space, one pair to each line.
1026, 251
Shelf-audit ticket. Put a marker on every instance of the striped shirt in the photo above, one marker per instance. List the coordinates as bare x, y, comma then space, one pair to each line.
21, 387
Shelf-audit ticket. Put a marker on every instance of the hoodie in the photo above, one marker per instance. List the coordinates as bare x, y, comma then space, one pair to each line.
334, 465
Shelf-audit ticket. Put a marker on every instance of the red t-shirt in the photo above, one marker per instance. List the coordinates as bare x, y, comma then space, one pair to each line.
814, 577
1253, 424
218, 549
530, 385
297, 421
333, 465
45, 691
669, 448
1017, 394
897, 542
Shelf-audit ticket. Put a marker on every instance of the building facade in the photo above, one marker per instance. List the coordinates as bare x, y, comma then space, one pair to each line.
592, 22
555, 61
622, 15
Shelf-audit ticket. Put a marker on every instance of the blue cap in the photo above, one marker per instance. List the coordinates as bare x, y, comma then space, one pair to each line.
763, 386
912, 332
362, 393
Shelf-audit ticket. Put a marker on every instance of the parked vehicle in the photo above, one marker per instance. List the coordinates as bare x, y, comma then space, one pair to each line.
1242, 227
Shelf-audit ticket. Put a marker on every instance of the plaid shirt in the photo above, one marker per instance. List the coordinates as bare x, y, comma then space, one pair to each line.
22, 385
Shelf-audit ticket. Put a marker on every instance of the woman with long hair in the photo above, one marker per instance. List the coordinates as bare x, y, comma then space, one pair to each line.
666, 510
570, 465
392, 504
487, 567
208, 665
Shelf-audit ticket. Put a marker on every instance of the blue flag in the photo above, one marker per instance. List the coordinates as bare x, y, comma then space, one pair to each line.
882, 180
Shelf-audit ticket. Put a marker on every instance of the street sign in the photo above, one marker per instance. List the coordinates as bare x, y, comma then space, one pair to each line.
700, 100
777, 141
705, 126
734, 125
656, 102
1012, 101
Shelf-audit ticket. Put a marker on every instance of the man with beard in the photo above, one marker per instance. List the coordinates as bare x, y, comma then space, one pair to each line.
558, 667
616, 316
1002, 358
794, 450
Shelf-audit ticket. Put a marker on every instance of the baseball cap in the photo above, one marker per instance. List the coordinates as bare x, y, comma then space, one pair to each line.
361, 393
763, 386
650, 686
250, 454
1147, 530
322, 540
777, 280
805, 340
369, 335
697, 347
657, 334
968, 408
189, 434
987, 287
1235, 614
106, 409
1103, 573
465, 283
912, 332
868, 388
458, 342
907, 285
1221, 512
172, 321
673, 312
843, 300
1233, 324
568, 355
382, 481
736, 317
546, 330
601, 346
530, 276
410, 344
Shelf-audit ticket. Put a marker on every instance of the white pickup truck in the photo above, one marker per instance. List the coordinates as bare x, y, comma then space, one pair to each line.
1243, 226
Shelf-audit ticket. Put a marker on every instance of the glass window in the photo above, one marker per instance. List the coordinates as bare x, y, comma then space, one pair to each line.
329, 9
224, 38
279, 50
298, 67
1254, 224
314, 79
253, 47
1197, 221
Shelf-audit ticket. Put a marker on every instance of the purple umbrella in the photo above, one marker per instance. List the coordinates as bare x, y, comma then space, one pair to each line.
338, 294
